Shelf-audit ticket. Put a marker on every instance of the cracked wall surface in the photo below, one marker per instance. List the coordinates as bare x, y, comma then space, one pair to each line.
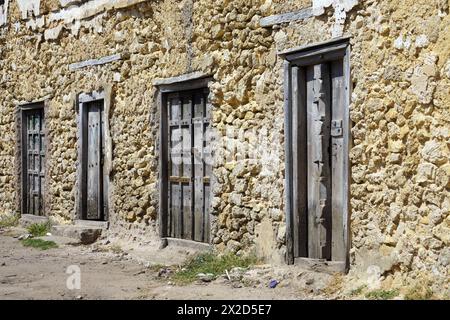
400, 68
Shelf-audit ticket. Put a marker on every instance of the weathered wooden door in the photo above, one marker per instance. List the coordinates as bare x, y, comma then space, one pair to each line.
33, 160
94, 184
188, 171
323, 158
318, 129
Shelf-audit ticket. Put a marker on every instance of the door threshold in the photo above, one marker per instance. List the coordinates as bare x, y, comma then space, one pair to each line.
29, 219
321, 265
190, 244
93, 224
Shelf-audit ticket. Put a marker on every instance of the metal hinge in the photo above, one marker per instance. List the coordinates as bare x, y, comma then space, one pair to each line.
336, 128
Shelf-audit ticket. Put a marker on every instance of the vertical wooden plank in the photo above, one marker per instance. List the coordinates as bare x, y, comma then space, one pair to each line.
177, 217
101, 151
288, 162
324, 205
198, 167
29, 149
36, 194
299, 173
319, 184
44, 159
179, 158
346, 150
207, 168
186, 189
31, 163
187, 184
37, 159
207, 212
105, 174
24, 158
337, 161
166, 165
41, 162
175, 155
296, 149
83, 142
312, 251
36, 162
164, 196
93, 165
39, 155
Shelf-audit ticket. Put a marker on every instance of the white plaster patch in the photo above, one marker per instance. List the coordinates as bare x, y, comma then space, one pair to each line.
16, 26
373, 277
402, 42
4, 13
29, 7
446, 70
52, 34
36, 23
117, 77
422, 78
67, 98
422, 41
89, 9
341, 7
398, 43
75, 28
66, 3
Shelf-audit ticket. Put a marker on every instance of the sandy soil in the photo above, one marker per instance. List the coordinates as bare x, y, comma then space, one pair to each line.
29, 273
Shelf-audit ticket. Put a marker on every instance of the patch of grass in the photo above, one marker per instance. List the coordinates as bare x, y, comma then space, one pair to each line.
335, 285
39, 229
116, 249
357, 291
382, 294
39, 244
9, 221
210, 263
419, 293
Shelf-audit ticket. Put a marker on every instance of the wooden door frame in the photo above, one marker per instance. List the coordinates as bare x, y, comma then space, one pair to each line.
22, 108
164, 87
82, 100
299, 57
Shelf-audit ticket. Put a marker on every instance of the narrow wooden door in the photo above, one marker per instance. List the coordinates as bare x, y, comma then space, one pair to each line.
94, 189
33, 160
318, 160
188, 171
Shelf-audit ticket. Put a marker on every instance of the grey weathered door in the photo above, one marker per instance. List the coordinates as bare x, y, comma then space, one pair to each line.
33, 160
188, 171
318, 160
94, 188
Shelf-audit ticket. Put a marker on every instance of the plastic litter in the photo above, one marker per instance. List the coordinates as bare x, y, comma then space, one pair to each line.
273, 283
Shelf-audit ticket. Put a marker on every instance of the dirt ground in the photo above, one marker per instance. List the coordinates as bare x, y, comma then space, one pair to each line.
30, 273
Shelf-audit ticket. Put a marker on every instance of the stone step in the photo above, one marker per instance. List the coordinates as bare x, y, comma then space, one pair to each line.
28, 219
83, 234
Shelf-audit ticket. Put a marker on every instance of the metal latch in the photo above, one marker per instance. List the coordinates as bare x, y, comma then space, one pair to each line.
336, 128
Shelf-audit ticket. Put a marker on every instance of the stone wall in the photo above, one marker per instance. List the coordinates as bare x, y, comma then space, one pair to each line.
400, 198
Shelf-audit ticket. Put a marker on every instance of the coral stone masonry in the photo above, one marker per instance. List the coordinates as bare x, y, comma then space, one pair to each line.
310, 131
